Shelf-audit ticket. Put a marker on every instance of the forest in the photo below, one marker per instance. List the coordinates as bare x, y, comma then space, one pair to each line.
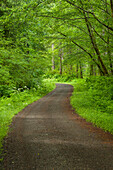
48, 41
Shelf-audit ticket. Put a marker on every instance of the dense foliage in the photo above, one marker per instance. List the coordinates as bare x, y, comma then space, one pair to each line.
67, 37
101, 93
81, 36
64, 40
21, 47
19, 100
93, 100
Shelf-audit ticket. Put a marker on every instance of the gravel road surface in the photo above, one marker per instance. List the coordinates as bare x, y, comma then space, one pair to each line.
48, 135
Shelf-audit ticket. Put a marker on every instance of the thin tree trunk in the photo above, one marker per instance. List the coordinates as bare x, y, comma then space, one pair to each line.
61, 64
61, 58
81, 71
71, 69
95, 71
53, 59
93, 41
77, 71
98, 65
111, 3
109, 56
108, 40
91, 70
111, 65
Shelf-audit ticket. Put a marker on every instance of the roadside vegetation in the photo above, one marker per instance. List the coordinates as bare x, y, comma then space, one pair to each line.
93, 100
59, 41
18, 100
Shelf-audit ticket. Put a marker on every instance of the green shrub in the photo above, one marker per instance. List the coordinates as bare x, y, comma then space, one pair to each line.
92, 99
101, 91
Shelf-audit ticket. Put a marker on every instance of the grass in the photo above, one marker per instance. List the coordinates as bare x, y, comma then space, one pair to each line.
81, 101
86, 107
18, 101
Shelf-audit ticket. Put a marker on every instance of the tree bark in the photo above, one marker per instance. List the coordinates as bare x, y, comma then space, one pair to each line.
108, 39
88, 12
95, 70
81, 71
111, 3
109, 56
61, 58
91, 70
76, 70
94, 60
93, 41
53, 59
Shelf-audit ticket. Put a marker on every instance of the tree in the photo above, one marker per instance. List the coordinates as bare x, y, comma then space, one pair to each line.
89, 27
21, 45
35, 33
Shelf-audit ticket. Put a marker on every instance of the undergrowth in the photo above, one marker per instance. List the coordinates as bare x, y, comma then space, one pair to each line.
18, 101
93, 100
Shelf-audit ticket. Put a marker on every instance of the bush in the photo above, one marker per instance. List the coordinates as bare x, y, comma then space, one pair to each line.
60, 78
6, 90
101, 91
92, 99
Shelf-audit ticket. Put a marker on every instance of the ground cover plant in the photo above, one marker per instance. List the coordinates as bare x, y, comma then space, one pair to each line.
93, 100
9, 106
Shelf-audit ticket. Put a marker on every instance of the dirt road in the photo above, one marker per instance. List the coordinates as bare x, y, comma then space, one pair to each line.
47, 135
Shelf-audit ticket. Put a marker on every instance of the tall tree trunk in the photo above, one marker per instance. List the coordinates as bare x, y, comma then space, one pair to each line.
71, 69
76, 70
93, 59
61, 64
109, 56
53, 59
93, 41
111, 65
61, 58
108, 39
91, 70
81, 71
111, 3
95, 70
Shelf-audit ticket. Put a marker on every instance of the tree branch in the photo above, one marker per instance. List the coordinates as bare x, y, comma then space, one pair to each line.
55, 37
59, 17
100, 36
85, 52
90, 13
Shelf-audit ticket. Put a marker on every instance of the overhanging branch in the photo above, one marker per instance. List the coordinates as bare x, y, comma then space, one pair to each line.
84, 51
80, 8
48, 16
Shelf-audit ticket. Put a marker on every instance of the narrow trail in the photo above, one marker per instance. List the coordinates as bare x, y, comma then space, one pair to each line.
47, 135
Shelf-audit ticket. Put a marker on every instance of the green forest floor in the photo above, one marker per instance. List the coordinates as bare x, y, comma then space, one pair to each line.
86, 105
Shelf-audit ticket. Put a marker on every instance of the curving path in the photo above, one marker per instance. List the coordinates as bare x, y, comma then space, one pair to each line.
47, 135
